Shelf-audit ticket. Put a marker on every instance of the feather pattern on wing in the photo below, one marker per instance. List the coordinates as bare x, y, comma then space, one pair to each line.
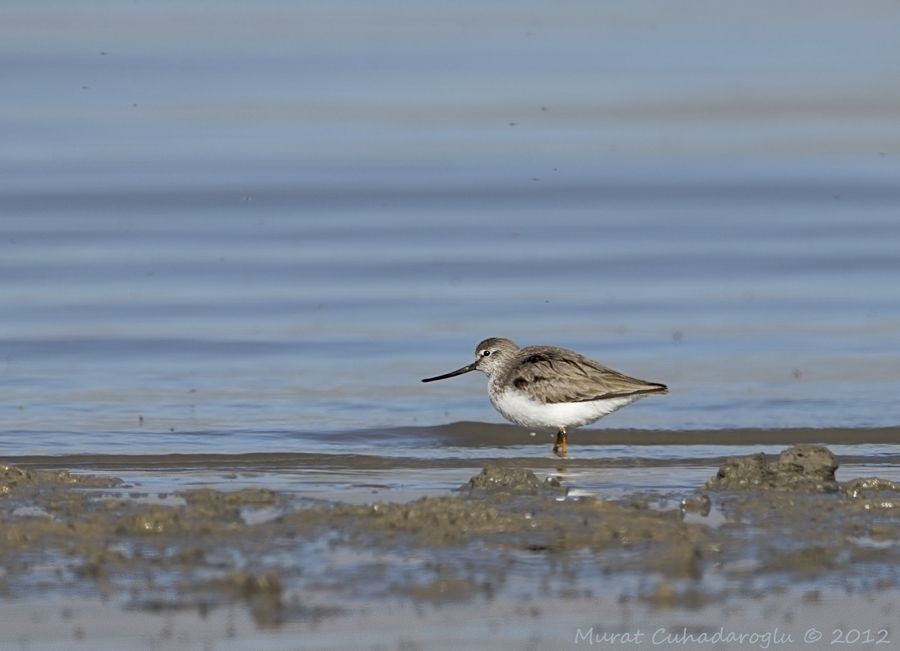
553, 375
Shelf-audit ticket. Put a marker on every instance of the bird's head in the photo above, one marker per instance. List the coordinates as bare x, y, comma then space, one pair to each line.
490, 355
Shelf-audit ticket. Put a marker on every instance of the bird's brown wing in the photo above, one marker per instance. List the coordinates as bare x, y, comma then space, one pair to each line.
555, 375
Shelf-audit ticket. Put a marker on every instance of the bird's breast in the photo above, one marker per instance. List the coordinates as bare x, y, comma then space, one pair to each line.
519, 407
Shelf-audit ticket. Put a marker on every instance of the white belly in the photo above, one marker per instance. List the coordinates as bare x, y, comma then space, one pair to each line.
521, 409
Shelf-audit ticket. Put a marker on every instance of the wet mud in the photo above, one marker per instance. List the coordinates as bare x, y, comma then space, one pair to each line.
760, 523
801, 467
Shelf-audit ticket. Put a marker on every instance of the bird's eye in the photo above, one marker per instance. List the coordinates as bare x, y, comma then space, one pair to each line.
485, 353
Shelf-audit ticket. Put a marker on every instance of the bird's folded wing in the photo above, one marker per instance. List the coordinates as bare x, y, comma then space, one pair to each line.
553, 378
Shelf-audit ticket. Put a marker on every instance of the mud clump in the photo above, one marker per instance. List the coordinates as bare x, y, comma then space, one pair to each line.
494, 479
797, 523
870, 485
872, 494
152, 520
801, 468
13, 479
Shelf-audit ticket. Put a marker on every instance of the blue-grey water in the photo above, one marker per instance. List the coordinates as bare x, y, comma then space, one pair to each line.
237, 228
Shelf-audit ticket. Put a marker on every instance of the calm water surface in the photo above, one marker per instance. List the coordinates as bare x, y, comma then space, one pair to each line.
234, 231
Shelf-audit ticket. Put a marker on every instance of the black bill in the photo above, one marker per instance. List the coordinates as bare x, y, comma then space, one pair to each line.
459, 371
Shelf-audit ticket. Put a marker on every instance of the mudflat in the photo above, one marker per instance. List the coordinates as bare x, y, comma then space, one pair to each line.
765, 542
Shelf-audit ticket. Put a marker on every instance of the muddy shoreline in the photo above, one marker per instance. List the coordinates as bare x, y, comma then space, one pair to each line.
758, 525
383, 447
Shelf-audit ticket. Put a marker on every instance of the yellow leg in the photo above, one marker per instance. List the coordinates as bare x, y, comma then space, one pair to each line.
559, 448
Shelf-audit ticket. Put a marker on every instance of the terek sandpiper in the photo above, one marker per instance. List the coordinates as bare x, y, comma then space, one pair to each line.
547, 387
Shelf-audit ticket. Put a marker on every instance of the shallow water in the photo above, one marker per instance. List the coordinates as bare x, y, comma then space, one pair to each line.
407, 463
229, 238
